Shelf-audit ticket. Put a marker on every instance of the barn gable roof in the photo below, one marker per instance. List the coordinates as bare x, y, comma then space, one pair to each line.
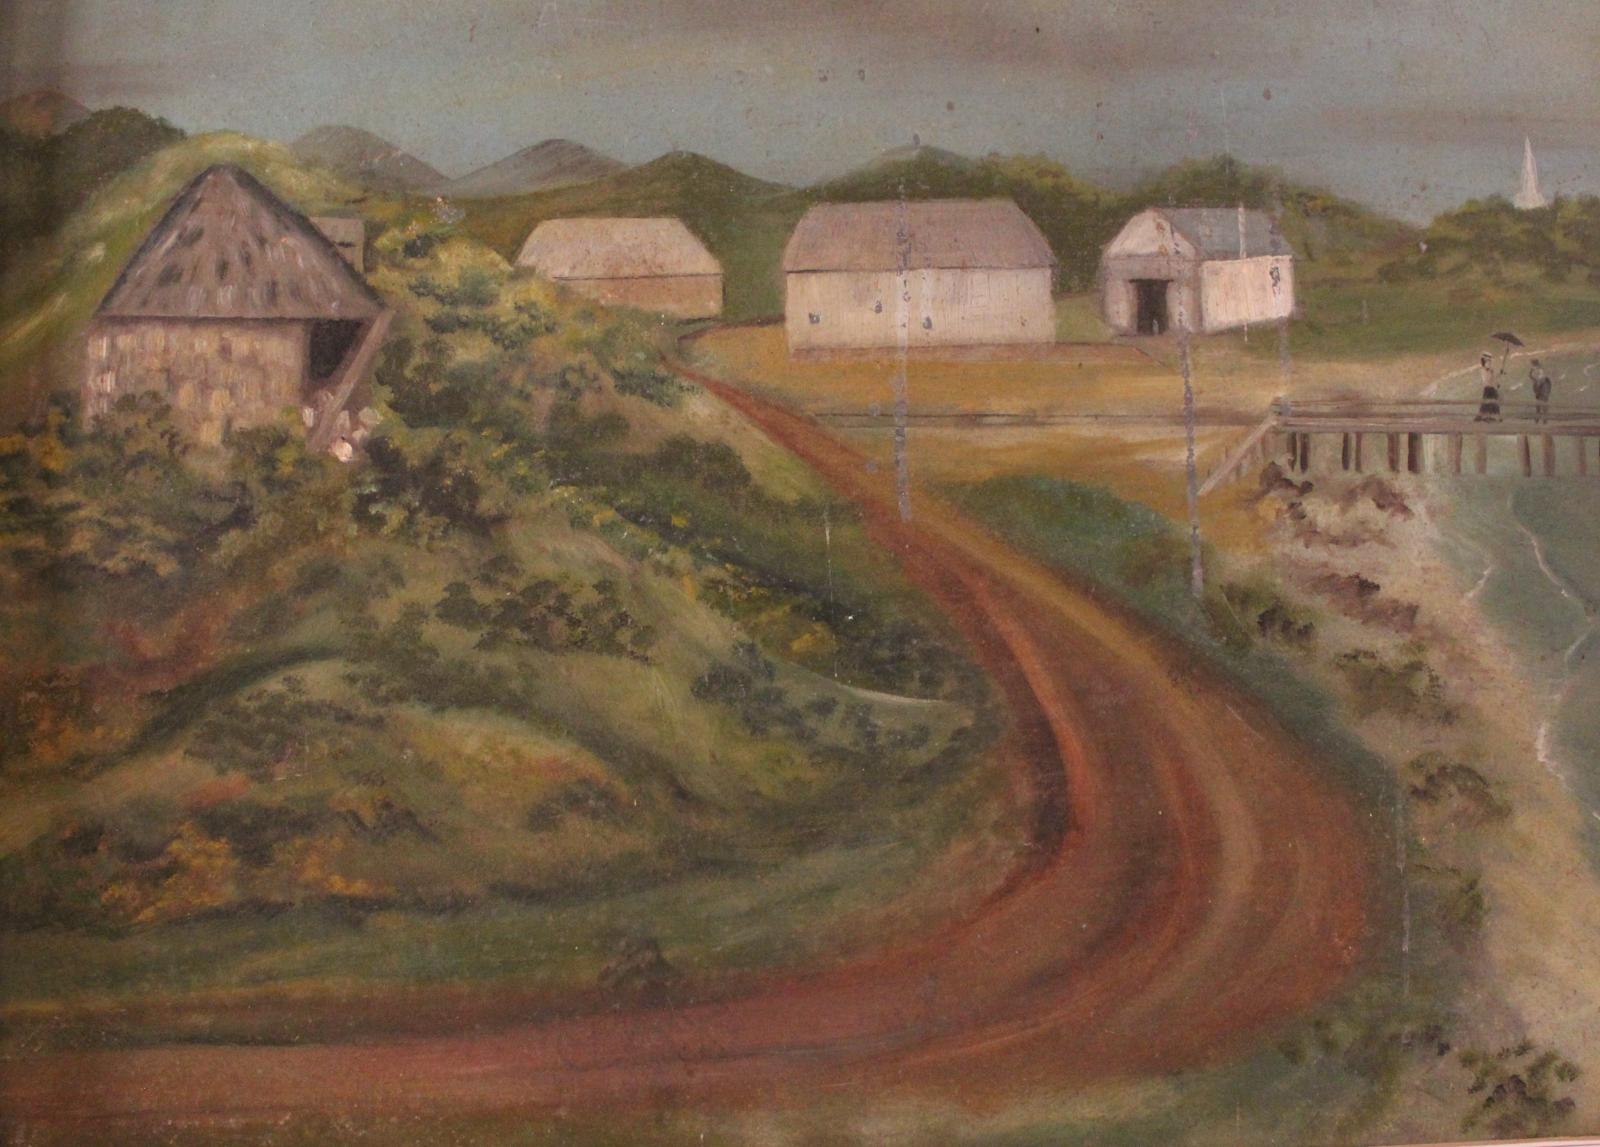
1214, 231
615, 248
926, 234
228, 248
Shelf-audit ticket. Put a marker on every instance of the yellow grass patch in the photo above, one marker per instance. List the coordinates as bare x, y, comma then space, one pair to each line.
1129, 400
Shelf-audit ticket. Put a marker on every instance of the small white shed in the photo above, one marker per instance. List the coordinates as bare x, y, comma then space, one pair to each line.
1202, 269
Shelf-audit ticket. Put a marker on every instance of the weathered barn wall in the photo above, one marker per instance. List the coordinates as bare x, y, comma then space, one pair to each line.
216, 374
947, 307
681, 296
1234, 292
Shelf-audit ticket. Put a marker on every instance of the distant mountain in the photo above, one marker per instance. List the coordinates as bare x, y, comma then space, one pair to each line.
367, 159
41, 113
542, 167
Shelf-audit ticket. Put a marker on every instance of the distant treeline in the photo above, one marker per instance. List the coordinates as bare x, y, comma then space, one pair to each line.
1491, 237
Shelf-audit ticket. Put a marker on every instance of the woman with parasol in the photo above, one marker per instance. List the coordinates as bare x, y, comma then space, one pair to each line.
1489, 404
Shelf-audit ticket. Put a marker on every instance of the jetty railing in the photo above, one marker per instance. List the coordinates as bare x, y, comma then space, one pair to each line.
1415, 436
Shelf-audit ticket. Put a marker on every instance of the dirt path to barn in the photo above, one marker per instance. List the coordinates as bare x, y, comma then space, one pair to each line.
1194, 880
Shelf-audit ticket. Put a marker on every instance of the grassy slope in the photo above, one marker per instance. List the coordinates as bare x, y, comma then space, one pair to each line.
603, 798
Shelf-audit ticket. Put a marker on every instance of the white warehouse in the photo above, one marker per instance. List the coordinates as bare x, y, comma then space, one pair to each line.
950, 272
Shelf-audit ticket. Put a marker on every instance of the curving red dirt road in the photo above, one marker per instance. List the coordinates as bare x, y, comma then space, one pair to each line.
1206, 883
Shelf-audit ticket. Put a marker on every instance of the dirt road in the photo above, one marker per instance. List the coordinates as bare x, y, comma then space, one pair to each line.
1194, 879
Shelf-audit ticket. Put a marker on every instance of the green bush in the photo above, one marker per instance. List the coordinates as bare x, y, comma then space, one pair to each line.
1438, 781
1518, 1091
651, 384
273, 729
1406, 687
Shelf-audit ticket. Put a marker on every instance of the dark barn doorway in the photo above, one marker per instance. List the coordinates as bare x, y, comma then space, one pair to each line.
331, 340
1150, 297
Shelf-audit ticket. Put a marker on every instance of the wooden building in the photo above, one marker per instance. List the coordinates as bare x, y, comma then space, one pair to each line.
1203, 269
952, 272
653, 264
235, 307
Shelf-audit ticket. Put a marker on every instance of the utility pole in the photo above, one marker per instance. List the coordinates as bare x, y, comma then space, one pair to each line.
900, 385
1197, 568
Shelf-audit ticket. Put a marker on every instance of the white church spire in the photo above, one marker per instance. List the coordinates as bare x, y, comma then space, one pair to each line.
1528, 195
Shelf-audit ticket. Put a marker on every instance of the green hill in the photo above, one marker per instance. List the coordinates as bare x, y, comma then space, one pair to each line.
45, 177
569, 664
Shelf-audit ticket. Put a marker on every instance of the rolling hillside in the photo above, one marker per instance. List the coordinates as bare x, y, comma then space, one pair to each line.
555, 665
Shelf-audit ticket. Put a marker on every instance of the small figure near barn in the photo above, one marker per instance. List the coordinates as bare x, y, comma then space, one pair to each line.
1542, 386
234, 308
1210, 269
653, 264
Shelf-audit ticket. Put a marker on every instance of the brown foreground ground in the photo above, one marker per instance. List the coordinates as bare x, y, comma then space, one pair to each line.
1195, 881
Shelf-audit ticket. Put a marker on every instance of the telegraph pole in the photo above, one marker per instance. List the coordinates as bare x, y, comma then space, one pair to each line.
1197, 568
900, 384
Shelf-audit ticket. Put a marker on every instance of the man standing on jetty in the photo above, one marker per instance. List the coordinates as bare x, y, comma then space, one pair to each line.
1541, 391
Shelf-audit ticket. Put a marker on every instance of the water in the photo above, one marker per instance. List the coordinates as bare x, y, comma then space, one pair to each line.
1529, 550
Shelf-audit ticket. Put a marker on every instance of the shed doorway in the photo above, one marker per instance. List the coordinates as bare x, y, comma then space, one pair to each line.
329, 342
1150, 301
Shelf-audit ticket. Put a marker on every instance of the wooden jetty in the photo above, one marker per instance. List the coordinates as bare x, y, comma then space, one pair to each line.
1417, 436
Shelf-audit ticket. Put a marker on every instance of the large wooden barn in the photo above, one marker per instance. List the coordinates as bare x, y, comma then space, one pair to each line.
950, 272
235, 307
653, 264
1202, 269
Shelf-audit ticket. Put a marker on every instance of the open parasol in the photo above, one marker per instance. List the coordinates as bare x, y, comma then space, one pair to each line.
1510, 341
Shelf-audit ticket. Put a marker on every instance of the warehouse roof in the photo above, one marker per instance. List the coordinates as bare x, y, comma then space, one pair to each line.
615, 248
936, 233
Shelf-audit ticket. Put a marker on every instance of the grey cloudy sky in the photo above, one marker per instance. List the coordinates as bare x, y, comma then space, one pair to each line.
1410, 104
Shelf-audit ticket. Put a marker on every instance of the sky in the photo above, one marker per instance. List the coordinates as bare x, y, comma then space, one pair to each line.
1411, 105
